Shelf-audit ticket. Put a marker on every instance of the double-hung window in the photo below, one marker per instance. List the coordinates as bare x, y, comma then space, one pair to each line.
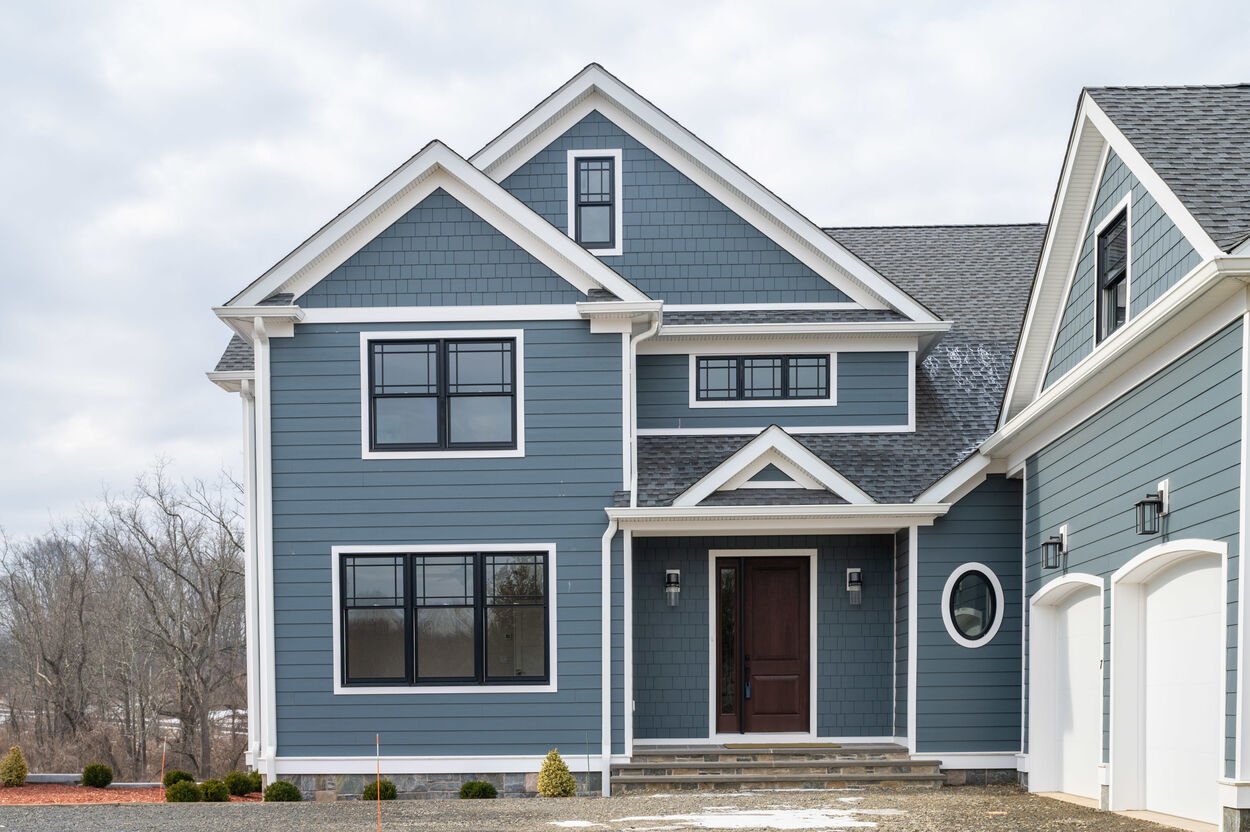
595, 201
442, 394
1112, 271
762, 377
438, 619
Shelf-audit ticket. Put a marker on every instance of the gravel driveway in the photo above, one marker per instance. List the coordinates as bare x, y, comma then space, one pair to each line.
977, 809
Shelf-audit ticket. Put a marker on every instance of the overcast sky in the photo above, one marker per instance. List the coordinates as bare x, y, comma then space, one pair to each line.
156, 157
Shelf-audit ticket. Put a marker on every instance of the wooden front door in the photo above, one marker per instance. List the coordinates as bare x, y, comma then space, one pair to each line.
763, 656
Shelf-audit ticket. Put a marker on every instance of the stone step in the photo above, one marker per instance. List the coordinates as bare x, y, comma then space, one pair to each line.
639, 783
825, 768
722, 754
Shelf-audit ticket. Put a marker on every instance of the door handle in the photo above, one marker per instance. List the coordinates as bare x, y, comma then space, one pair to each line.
747, 693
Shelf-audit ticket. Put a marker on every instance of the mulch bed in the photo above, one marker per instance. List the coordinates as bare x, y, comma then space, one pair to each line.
51, 793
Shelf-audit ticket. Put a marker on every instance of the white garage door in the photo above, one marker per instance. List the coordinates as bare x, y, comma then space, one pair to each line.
1183, 653
1078, 693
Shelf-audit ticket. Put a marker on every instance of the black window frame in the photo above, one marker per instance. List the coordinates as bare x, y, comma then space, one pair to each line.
740, 391
442, 394
581, 200
1108, 282
481, 677
994, 611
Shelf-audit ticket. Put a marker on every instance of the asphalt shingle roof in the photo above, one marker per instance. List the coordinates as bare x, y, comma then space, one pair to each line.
238, 356
781, 316
976, 277
1198, 140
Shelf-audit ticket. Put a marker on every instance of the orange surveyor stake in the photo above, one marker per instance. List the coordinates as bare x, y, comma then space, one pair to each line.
164, 745
377, 741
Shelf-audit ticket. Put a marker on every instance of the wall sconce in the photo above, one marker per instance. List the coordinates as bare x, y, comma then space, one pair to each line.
1055, 549
1151, 509
855, 585
672, 585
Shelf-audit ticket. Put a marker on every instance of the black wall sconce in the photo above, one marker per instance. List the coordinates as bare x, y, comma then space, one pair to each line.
1055, 549
672, 585
1151, 510
855, 585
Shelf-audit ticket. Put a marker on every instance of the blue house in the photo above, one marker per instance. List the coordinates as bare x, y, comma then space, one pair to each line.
591, 441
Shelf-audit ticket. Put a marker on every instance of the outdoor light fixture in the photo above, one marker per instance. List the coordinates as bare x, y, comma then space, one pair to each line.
672, 585
855, 585
1054, 549
1151, 509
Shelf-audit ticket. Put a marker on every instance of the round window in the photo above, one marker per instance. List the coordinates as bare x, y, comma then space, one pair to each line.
972, 605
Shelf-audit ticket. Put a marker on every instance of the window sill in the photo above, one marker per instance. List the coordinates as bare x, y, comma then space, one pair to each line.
509, 453
606, 252
405, 690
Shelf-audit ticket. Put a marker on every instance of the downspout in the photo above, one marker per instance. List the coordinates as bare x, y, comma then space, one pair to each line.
264, 548
247, 392
633, 405
605, 751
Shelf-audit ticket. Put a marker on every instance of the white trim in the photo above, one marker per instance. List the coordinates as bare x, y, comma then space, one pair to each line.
975, 759
627, 409
666, 521
595, 89
813, 653
1242, 706
772, 484
757, 307
749, 338
798, 477
830, 400
251, 594
961, 480
264, 550
911, 392
773, 446
517, 335
786, 329
913, 626
749, 429
1125, 206
605, 657
336, 552
618, 198
894, 636
1026, 620
1000, 610
441, 314
517, 764
628, 636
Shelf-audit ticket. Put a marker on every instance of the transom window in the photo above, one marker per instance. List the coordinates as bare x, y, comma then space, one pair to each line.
444, 619
443, 393
1113, 276
762, 377
594, 211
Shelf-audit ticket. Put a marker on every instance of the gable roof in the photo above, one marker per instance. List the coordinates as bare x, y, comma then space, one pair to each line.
434, 166
594, 88
1198, 140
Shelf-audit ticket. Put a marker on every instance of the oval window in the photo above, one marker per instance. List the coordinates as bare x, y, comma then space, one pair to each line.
972, 605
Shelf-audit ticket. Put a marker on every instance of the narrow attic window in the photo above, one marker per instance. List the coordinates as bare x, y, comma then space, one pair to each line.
595, 200
1112, 256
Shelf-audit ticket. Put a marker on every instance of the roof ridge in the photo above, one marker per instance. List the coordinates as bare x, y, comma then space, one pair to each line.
1135, 87
935, 225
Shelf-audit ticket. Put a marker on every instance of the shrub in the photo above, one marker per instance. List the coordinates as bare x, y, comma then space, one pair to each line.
214, 791
478, 790
280, 791
97, 775
555, 779
176, 775
13, 768
182, 791
371, 790
242, 783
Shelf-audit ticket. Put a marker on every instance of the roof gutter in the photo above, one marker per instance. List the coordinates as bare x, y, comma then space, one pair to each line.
278, 320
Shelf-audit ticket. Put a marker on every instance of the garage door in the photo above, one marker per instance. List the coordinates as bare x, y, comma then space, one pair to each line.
1183, 657
1078, 694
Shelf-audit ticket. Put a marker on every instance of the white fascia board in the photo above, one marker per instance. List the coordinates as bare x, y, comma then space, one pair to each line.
785, 330
772, 343
962, 479
279, 320
435, 166
232, 380
878, 518
594, 88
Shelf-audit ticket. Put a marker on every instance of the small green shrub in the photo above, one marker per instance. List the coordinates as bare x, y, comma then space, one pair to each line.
371, 790
182, 791
176, 775
258, 783
280, 791
478, 790
242, 783
97, 776
555, 779
13, 768
214, 791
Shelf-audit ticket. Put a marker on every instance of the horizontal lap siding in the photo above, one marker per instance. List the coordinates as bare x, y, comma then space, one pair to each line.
326, 495
680, 243
968, 699
871, 391
1160, 256
902, 588
1184, 425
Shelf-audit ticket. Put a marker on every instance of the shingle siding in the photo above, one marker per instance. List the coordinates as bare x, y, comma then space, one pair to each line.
902, 641
680, 243
1159, 256
1183, 425
440, 254
324, 494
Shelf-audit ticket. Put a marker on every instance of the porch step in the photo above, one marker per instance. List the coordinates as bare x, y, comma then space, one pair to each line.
634, 784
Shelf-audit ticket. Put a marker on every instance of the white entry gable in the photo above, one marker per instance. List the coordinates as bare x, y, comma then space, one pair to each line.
435, 166
773, 447
594, 88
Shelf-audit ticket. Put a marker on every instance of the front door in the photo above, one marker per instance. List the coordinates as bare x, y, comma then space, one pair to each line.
762, 647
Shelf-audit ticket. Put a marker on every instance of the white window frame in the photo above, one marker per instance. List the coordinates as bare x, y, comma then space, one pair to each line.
618, 204
1000, 609
1123, 206
516, 335
336, 553
830, 401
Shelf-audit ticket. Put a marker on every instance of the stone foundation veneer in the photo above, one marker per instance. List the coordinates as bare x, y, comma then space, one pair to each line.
981, 776
329, 787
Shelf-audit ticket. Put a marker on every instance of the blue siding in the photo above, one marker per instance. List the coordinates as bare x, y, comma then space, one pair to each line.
440, 254
968, 699
871, 392
680, 244
325, 495
854, 645
902, 587
1184, 425
1160, 256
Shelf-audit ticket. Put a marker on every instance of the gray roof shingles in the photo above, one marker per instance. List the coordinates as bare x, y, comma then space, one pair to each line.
780, 316
237, 357
1198, 140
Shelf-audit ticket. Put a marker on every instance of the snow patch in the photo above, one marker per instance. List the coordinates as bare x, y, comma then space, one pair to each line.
759, 819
